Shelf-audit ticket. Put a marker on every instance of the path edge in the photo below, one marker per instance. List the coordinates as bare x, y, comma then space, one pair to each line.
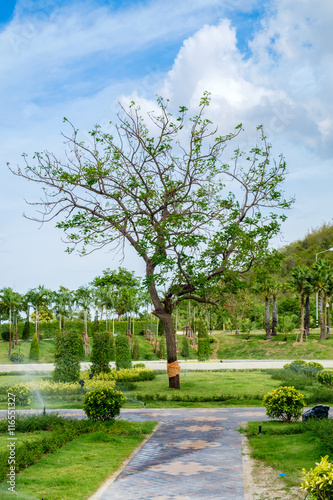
107, 483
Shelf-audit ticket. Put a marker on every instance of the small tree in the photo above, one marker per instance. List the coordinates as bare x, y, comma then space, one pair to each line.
68, 353
101, 353
123, 352
136, 349
203, 348
160, 185
161, 348
185, 352
34, 348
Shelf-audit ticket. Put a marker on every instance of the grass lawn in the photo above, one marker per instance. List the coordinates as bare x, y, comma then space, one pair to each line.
46, 351
77, 469
238, 347
290, 447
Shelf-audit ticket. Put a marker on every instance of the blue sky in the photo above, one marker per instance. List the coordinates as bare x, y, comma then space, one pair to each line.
264, 62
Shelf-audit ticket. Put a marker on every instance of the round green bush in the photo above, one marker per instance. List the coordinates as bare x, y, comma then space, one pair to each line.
103, 404
312, 368
284, 402
297, 365
22, 393
325, 377
16, 357
139, 365
5, 335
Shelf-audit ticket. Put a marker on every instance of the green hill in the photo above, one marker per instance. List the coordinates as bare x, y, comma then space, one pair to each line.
304, 251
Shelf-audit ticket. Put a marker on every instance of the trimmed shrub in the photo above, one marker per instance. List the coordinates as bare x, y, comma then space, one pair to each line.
68, 353
16, 357
185, 352
5, 335
103, 404
318, 482
325, 377
123, 352
101, 353
136, 349
26, 330
312, 368
297, 365
34, 348
285, 402
22, 393
124, 375
139, 365
161, 348
203, 348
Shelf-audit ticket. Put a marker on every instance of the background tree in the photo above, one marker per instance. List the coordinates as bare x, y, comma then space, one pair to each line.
10, 301
321, 282
38, 297
300, 284
83, 298
162, 187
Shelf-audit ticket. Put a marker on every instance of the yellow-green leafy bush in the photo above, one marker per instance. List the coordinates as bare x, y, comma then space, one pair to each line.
284, 402
22, 393
103, 404
318, 482
325, 377
124, 375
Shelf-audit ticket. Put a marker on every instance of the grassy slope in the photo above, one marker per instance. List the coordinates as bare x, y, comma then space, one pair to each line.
237, 347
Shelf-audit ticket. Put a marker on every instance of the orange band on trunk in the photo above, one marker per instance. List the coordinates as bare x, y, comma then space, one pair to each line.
173, 369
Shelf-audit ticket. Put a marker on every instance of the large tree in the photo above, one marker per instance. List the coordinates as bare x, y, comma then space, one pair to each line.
163, 185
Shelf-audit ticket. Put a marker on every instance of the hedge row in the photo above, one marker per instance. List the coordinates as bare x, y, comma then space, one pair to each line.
48, 329
124, 375
189, 398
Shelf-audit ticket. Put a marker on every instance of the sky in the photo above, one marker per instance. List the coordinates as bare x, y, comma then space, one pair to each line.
265, 62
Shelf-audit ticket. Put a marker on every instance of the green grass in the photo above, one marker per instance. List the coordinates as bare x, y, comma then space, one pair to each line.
289, 447
46, 351
238, 347
77, 469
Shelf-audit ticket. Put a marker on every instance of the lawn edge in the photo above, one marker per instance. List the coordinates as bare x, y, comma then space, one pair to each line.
107, 483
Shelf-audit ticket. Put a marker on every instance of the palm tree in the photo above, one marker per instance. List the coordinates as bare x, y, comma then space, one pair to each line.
264, 286
275, 288
300, 284
63, 300
83, 298
38, 297
9, 300
321, 277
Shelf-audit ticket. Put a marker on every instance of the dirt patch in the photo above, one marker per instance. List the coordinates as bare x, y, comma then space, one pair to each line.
262, 482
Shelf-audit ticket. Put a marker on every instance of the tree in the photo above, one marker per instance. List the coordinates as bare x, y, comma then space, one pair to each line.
275, 289
10, 301
63, 301
300, 284
38, 297
34, 348
164, 192
123, 352
321, 278
83, 298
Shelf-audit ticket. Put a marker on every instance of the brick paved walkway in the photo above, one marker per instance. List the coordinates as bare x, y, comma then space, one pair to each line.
195, 454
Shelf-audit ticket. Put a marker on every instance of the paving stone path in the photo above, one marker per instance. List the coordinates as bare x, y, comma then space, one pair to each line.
195, 454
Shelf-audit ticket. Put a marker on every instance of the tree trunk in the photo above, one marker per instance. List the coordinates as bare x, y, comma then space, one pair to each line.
267, 320
321, 319
307, 317
274, 316
302, 318
170, 335
10, 333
